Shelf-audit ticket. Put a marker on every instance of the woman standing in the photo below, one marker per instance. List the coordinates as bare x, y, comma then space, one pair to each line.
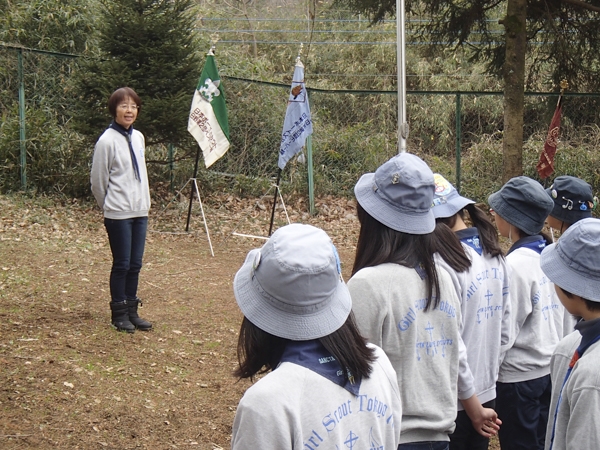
326, 388
408, 306
120, 185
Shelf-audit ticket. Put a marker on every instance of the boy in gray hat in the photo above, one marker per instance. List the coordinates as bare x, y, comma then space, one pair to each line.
573, 265
573, 200
523, 390
326, 387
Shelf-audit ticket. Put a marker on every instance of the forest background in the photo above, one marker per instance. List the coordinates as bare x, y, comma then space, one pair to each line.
68, 380
454, 101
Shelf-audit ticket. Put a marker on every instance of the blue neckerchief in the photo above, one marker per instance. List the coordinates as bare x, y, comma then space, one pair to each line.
313, 356
536, 243
590, 334
421, 271
127, 133
470, 236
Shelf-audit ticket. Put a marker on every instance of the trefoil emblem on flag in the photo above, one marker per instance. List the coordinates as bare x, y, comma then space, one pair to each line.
210, 89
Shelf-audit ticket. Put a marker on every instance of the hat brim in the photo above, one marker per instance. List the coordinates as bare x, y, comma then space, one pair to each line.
561, 274
391, 215
261, 309
451, 207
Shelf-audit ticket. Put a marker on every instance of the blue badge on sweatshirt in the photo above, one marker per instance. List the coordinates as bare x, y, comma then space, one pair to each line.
470, 237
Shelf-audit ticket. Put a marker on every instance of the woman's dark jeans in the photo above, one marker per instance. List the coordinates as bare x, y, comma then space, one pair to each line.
127, 238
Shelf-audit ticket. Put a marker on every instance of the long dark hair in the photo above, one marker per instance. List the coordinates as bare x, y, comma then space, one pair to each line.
379, 244
259, 352
486, 229
448, 246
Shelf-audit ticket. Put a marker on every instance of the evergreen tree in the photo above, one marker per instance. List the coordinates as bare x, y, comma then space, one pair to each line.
148, 45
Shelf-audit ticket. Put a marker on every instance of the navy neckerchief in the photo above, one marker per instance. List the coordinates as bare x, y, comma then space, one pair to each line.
127, 133
470, 237
313, 356
590, 334
536, 243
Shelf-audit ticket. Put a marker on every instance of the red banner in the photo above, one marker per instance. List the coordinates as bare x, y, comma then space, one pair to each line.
545, 166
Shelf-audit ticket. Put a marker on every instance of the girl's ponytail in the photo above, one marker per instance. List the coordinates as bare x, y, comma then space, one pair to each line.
487, 231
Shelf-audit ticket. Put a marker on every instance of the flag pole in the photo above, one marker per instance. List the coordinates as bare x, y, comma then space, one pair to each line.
187, 225
401, 75
211, 52
297, 126
274, 202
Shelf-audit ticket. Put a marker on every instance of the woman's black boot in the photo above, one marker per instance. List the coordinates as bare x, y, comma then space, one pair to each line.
120, 317
137, 321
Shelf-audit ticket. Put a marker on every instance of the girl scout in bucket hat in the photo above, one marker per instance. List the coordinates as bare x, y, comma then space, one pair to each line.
520, 208
407, 305
483, 291
325, 387
573, 265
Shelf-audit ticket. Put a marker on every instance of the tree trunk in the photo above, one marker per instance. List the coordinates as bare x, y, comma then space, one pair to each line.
514, 84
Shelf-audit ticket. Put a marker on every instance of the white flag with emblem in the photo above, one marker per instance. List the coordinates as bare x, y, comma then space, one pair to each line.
208, 116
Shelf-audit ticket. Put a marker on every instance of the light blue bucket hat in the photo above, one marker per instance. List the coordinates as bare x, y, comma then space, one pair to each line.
446, 200
573, 263
292, 287
399, 194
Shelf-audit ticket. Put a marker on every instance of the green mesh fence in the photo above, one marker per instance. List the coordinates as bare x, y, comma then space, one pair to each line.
354, 132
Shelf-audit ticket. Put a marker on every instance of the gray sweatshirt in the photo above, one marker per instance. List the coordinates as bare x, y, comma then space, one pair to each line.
293, 407
113, 180
425, 348
579, 410
536, 319
485, 305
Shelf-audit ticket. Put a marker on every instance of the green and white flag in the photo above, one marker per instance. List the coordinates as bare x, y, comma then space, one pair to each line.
208, 116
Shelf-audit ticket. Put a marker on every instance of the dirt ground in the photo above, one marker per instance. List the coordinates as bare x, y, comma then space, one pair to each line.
68, 380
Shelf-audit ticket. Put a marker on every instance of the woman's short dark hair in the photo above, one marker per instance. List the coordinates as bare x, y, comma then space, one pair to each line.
259, 352
379, 244
119, 95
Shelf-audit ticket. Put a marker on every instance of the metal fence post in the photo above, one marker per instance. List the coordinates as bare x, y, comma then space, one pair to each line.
458, 140
311, 178
22, 121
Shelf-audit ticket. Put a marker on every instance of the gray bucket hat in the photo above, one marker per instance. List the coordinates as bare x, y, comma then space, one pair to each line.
572, 197
573, 263
292, 287
399, 194
522, 202
446, 199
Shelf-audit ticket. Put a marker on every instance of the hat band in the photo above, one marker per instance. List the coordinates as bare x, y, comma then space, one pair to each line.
287, 307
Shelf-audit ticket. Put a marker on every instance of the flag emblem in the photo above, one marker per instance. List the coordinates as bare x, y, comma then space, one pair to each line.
545, 165
210, 89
